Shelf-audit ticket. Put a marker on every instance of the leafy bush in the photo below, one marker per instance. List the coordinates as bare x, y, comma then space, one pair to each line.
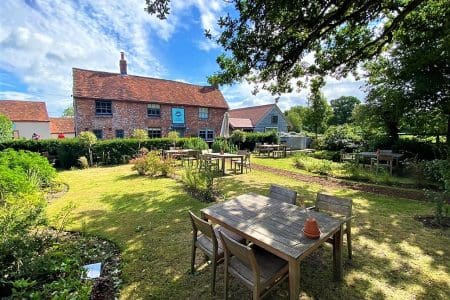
13, 181
32, 164
83, 162
153, 163
340, 137
414, 147
200, 183
238, 137
251, 138
195, 144
322, 167
223, 145
140, 165
326, 154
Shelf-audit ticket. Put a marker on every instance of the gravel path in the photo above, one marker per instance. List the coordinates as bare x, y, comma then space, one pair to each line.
338, 183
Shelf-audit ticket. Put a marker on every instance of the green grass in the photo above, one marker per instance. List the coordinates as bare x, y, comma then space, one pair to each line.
338, 170
394, 256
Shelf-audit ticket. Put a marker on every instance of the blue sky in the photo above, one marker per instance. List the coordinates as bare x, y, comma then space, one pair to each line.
41, 41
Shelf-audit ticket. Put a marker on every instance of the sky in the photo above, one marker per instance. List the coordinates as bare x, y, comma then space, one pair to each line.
41, 41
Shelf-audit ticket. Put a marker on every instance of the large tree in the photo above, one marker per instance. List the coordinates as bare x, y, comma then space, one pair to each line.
319, 111
267, 40
342, 109
415, 77
68, 112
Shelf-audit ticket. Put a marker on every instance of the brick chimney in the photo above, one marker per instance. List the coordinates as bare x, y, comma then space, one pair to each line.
123, 64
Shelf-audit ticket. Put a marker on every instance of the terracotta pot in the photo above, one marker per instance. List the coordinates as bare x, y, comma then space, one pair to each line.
311, 228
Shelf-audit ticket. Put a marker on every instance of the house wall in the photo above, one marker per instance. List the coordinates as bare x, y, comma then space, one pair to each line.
266, 121
26, 129
129, 116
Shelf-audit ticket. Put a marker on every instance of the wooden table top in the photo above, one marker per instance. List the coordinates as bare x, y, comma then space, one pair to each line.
225, 155
374, 154
276, 226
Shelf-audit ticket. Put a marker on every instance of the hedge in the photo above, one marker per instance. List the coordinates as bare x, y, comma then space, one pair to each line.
251, 138
107, 152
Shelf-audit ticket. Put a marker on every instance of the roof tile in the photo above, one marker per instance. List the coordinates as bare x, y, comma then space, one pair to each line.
254, 113
62, 125
113, 86
25, 111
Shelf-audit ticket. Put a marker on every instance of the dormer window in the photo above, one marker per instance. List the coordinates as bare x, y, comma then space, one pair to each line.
274, 119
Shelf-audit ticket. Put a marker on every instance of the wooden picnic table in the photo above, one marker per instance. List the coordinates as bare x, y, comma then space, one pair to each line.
230, 156
176, 152
272, 148
369, 155
277, 227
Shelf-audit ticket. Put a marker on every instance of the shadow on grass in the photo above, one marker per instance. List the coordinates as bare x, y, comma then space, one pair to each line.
154, 233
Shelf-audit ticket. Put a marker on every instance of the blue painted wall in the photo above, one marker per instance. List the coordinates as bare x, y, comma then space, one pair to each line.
266, 121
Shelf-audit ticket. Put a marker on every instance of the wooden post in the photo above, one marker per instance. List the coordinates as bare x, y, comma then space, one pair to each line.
337, 254
294, 279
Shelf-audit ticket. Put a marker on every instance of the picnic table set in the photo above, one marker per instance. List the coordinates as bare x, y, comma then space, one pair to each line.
285, 234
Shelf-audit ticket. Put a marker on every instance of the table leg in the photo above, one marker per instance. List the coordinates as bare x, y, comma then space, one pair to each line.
337, 254
294, 279
242, 165
223, 166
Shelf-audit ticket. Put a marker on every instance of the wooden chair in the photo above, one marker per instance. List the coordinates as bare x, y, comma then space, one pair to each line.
256, 268
337, 207
190, 158
245, 163
282, 194
206, 238
383, 160
348, 157
207, 162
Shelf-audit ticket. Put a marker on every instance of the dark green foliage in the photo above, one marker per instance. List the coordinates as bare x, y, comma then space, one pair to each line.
326, 154
251, 138
342, 137
223, 145
32, 164
200, 183
195, 144
106, 152
411, 147
342, 109
5, 128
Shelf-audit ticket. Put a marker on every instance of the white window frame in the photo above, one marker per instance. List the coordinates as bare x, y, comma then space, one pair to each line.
203, 113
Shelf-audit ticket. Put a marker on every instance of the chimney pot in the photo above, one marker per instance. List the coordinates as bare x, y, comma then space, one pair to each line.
123, 64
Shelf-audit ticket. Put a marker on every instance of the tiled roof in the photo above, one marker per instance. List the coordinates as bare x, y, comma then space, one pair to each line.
62, 125
241, 123
25, 111
254, 113
113, 86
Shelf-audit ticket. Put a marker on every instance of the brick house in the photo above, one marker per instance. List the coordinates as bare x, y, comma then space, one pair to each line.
115, 104
28, 118
260, 118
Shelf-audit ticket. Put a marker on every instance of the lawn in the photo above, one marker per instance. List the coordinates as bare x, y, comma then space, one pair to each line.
338, 170
394, 255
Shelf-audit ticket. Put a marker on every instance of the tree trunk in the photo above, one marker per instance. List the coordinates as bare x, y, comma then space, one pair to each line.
393, 131
448, 137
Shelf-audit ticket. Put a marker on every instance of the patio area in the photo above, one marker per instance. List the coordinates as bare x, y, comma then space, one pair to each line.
148, 220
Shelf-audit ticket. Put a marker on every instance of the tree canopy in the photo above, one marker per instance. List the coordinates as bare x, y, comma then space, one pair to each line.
342, 109
268, 40
68, 112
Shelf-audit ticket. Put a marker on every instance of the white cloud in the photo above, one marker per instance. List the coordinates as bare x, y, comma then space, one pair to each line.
11, 95
240, 94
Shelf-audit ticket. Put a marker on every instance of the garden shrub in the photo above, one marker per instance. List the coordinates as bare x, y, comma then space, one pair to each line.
251, 138
13, 181
318, 166
200, 183
153, 163
195, 144
68, 152
342, 137
83, 162
139, 164
326, 154
221, 144
32, 164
